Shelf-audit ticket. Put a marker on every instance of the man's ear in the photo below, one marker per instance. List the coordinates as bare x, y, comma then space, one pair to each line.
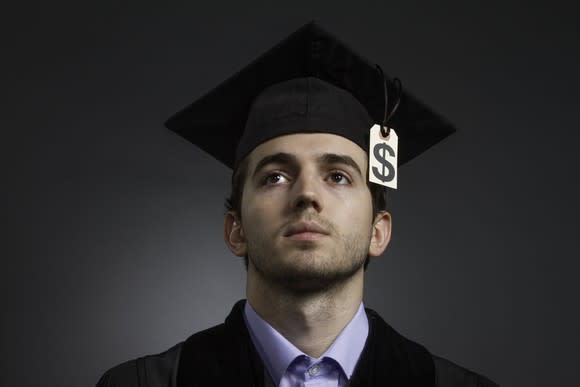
234, 234
381, 234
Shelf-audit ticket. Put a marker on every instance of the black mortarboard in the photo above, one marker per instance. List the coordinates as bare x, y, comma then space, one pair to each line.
309, 82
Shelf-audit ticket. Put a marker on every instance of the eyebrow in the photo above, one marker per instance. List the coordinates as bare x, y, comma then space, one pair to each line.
289, 159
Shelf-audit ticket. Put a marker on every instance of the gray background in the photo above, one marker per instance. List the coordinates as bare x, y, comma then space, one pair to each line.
112, 244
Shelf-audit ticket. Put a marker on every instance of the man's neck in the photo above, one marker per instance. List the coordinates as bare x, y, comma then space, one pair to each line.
309, 320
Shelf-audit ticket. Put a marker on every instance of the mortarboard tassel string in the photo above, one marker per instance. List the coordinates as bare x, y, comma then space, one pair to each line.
385, 129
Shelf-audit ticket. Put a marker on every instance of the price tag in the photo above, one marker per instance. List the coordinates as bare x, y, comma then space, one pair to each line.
383, 157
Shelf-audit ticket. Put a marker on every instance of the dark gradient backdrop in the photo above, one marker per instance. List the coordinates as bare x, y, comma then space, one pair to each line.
112, 243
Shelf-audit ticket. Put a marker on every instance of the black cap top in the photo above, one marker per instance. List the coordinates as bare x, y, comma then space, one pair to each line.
309, 82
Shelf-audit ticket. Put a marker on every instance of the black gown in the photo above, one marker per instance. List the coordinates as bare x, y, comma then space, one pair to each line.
225, 356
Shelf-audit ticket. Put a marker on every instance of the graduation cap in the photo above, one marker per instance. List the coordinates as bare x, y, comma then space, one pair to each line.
309, 82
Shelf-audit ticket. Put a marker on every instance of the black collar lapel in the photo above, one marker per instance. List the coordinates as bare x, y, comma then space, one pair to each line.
221, 356
389, 359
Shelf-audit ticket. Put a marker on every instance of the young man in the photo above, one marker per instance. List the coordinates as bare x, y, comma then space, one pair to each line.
294, 126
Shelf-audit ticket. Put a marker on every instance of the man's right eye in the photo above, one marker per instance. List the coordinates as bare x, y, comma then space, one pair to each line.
275, 178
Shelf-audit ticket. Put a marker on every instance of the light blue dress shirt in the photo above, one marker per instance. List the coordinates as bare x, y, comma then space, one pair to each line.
290, 367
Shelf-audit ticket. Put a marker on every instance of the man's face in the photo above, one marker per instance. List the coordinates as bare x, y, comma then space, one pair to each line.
306, 211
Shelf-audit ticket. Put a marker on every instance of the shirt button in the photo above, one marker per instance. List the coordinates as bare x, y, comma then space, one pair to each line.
313, 371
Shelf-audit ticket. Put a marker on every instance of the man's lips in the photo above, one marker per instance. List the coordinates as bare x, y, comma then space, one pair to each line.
305, 231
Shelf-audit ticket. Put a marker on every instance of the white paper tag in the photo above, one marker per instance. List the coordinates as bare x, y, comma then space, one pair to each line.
383, 157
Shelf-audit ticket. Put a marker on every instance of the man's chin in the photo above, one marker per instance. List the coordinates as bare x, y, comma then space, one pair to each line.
306, 267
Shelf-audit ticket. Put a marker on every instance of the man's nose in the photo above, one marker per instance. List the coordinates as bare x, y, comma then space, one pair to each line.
307, 193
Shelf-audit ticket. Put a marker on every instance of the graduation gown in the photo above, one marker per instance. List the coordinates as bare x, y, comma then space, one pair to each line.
225, 356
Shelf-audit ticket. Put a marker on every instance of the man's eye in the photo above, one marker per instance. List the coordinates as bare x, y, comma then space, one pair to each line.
338, 178
274, 178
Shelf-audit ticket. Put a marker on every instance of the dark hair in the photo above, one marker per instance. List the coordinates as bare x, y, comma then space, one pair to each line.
234, 201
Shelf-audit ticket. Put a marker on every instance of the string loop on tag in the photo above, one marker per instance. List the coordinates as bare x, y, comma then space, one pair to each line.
385, 129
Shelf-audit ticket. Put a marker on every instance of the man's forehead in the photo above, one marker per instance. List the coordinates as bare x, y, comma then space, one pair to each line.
308, 146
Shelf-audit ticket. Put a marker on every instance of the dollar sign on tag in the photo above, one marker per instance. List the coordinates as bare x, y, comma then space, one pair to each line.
388, 171
383, 157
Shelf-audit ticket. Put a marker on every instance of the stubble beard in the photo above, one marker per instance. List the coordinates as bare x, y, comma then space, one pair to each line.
309, 270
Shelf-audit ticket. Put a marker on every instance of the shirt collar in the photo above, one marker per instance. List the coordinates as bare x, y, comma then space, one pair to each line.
277, 352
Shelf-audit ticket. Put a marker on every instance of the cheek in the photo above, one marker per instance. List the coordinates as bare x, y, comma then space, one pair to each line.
259, 215
264, 201
356, 209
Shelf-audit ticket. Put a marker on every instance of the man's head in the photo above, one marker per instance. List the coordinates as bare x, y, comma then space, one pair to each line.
305, 216
307, 122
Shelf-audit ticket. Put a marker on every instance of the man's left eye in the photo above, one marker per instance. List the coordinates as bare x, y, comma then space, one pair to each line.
338, 178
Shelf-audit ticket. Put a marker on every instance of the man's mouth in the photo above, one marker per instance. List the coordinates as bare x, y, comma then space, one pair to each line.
305, 231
